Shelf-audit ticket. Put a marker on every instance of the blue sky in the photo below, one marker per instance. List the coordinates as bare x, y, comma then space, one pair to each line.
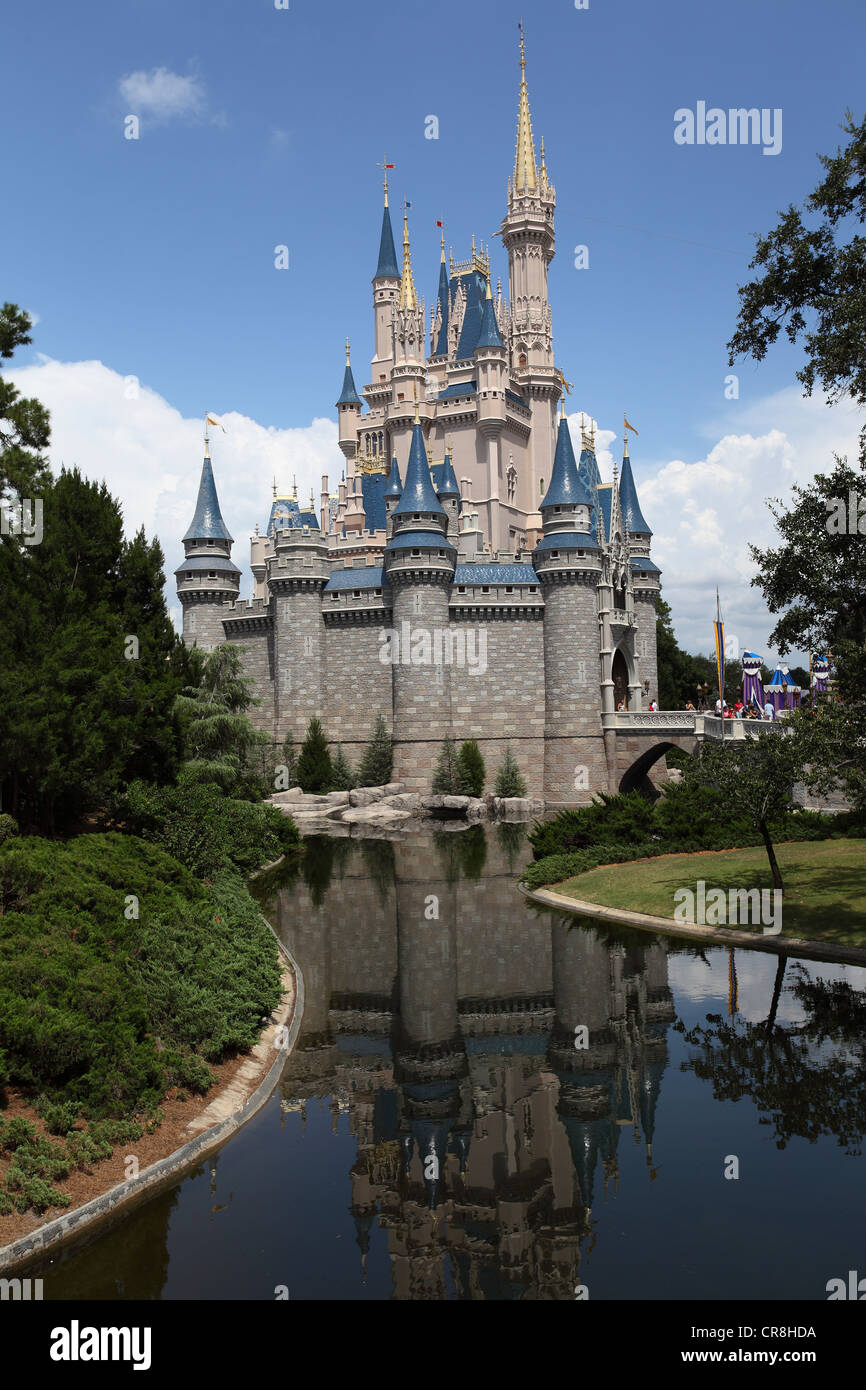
155, 257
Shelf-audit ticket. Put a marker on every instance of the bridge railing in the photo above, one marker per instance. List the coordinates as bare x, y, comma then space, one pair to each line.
681, 721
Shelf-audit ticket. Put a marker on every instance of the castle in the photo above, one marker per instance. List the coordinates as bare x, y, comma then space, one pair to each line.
471, 577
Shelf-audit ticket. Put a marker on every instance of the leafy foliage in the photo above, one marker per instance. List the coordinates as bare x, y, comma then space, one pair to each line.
84, 989
205, 830
220, 743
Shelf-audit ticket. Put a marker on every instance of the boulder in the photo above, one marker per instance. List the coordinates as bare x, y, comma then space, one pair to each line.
365, 796
476, 808
293, 794
376, 814
393, 788
337, 798
403, 801
456, 803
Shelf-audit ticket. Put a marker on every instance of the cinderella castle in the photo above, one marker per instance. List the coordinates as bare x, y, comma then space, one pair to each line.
471, 576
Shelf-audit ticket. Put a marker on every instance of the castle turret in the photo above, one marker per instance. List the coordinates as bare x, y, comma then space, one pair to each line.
207, 580
449, 495
419, 562
298, 571
528, 237
643, 575
568, 563
386, 289
393, 493
492, 368
439, 337
349, 408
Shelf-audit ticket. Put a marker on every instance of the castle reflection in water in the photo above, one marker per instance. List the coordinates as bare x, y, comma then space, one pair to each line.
484, 1135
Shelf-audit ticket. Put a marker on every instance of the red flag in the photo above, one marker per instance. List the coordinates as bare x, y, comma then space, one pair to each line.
438, 224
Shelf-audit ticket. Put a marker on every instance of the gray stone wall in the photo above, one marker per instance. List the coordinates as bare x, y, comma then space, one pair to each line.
575, 767
299, 657
422, 694
358, 686
203, 624
645, 641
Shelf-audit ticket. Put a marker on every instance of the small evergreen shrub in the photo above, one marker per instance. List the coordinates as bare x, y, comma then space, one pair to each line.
342, 776
446, 776
471, 772
377, 762
8, 827
509, 781
314, 764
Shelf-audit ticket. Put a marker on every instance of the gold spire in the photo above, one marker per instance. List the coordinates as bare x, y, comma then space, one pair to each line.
408, 298
294, 489
442, 242
347, 352
415, 388
624, 437
543, 165
385, 166
525, 170
275, 487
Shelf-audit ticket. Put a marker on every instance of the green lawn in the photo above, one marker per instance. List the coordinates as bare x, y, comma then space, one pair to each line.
825, 885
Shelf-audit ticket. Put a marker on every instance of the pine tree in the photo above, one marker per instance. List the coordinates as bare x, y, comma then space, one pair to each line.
509, 781
471, 772
315, 772
342, 776
220, 743
378, 760
445, 778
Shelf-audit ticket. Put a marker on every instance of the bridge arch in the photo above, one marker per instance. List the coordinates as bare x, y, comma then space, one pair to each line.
636, 777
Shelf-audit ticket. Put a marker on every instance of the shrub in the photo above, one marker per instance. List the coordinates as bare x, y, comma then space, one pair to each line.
205, 830
59, 1116
342, 776
445, 778
377, 762
314, 764
8, 827
508, 779
471, 772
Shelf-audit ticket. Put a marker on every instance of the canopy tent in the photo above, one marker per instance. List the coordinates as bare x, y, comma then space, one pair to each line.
820, 675
753, 690
781, 692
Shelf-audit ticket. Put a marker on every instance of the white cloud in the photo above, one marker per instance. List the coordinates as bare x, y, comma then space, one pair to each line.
150, 455
163, 95
706, 512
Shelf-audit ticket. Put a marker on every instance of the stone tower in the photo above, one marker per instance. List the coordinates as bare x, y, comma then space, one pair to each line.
419, 565
208, 579
568, 563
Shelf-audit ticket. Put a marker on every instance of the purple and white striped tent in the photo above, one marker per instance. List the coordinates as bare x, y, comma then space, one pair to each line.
777, 690
753, 690
820, 674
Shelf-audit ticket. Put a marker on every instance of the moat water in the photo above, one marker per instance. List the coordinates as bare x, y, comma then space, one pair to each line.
437, 1134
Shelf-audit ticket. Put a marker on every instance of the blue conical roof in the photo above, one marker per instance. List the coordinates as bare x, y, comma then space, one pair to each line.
444, 304
207, 524
447, 481
489, 335
475, 286
588, 469
387, 255
628, 504
395, 487
566, 488
419, 494
348, 395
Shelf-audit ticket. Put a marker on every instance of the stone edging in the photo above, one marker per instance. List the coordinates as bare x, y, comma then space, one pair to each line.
54, 1234
718, 936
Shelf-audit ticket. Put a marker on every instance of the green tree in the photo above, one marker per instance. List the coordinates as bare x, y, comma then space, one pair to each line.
377, 762
445, 778
831, 744
342, 776
25, 430
816, 577
220, 743
315, 772
509, 781
755, 777
471, 772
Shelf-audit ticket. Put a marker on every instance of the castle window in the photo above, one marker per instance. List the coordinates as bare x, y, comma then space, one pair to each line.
522, 360
509, 589
378, 593
441, 554
485, 589
335, 598
356, 593
211, 574
416, 552
211, 542
554, 554
461, 588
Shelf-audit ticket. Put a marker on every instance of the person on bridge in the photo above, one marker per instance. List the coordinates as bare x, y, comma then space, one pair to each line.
769, 711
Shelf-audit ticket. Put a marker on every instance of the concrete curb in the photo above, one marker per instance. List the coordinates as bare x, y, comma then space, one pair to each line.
64, 1229
717, 936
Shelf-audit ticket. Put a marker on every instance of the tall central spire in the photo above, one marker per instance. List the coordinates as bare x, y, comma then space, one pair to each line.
525, 170
408, 297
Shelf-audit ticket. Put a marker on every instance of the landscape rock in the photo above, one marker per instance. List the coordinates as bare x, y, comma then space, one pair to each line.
365, 796
403, 801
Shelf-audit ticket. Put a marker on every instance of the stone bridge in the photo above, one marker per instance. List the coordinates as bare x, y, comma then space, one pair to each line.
641, 740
